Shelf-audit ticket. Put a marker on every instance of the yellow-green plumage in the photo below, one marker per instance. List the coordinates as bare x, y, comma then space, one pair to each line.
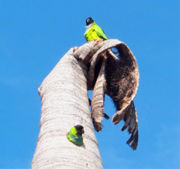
94, 32
74, 137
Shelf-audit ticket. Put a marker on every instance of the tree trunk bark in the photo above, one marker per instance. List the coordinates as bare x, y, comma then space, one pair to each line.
64, 97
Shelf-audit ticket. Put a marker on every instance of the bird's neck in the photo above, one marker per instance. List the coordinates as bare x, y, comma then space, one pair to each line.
90, 25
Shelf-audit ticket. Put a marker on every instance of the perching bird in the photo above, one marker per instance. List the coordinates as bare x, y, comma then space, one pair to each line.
75, 135
93, 31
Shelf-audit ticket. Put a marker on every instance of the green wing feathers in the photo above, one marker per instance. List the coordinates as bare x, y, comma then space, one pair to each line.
100, 32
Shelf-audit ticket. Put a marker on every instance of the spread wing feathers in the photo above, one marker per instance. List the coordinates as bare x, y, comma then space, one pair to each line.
100, 32
97, 104
121, 78
126, 77
131, 122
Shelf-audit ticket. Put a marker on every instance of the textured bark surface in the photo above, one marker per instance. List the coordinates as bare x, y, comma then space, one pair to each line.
64, 104
97, 104
64, 97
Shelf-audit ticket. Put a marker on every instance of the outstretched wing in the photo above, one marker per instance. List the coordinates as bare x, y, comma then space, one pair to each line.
128, 113
131, 122
100, 32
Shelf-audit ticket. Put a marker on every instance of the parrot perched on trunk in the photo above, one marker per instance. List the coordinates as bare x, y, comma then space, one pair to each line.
93, 31
75, 135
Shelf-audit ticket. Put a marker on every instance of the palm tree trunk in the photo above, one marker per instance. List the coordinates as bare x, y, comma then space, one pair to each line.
65, 103
64, 97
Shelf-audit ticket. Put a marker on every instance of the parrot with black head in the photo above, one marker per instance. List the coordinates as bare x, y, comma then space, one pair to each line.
93, 31
75, 135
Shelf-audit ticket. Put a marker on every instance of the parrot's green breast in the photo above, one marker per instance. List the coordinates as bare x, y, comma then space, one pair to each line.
94, 32
74, 138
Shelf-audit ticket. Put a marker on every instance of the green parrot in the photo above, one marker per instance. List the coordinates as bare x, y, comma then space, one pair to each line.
93, 31
75, 135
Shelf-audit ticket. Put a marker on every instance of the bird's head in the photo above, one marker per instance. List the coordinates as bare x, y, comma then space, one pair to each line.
80, 129
89, 21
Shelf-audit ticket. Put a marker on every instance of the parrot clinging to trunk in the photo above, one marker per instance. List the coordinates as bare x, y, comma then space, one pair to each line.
75, 135
93, 31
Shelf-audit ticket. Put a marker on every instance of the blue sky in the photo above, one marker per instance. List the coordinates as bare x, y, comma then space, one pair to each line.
34, 35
